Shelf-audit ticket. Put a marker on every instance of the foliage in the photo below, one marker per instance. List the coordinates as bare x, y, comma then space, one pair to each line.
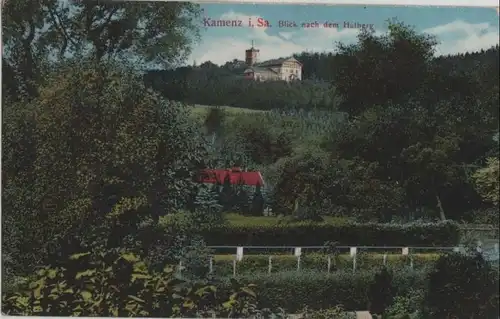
381, 292
227, 195
462, 285
207, 209
294, 291
354, 234
300, 182
35, 34
262, 142
214, 121
255, 264
120, 284
194, 260
409, 304
95, 160
258, 202
223, 86
396, 55
94, 151
337, 312
175, 240
487, 181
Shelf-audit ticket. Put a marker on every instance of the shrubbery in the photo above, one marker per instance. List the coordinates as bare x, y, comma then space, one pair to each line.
294, 291
252, 264
462, 286
315, 234
119, 284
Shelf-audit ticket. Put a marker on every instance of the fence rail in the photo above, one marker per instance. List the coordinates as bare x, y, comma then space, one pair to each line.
353, 251
269, 250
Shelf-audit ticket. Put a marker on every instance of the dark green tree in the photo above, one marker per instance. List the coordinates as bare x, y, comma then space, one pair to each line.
227, 195
214, 123
242, 200
206, 206
462, 286
258, 203
91, 162
381, 292
401, 58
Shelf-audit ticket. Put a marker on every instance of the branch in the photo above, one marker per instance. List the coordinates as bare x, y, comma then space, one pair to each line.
57, 22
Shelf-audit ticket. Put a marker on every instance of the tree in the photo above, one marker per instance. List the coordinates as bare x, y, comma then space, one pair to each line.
242, 199
381, 292
227, 195
300, 179
486, 180
214, 122
207, 208
102, 149
462, 286
386, 68
257, 204
422, 150
154, 33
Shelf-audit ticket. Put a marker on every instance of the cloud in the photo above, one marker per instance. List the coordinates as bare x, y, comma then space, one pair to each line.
457, 36
220, 49
460, 36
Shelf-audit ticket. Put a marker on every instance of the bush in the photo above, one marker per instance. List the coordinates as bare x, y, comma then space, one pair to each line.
381, 292
294, 291
402, 305
120, 284
315, 234
253, 264
462, 286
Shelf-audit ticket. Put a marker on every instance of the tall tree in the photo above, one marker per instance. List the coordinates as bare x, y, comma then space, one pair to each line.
97, 146
34, 33
385, 67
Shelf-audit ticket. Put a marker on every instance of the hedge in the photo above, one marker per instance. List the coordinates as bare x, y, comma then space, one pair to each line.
255, 264
293, 291
349, 234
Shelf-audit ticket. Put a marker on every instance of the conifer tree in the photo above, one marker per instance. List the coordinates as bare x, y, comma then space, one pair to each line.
257, 204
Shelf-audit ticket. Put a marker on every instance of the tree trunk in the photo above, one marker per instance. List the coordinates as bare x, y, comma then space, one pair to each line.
440, 206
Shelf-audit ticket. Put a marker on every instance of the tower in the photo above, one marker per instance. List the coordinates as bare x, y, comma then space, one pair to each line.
251, 56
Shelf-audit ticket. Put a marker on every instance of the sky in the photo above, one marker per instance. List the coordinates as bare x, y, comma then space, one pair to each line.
457, 29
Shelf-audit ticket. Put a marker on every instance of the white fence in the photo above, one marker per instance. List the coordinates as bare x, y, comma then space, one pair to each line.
353, 253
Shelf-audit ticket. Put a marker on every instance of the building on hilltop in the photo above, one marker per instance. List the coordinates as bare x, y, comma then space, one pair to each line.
285, 69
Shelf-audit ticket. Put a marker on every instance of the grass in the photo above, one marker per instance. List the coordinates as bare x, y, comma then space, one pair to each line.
236, 219
253, 264
240, 220
201, 111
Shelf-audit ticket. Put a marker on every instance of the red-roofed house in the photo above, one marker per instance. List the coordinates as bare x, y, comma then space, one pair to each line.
236, 176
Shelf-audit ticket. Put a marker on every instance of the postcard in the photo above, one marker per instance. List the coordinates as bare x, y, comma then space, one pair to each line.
236, 160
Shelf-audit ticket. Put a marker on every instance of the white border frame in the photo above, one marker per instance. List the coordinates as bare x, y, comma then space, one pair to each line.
433, 3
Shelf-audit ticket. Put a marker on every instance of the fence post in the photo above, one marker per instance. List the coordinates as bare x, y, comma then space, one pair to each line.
406, 252
211, 265
239, 253
354, 252
270, 267
329, 264
385, 259
180, 268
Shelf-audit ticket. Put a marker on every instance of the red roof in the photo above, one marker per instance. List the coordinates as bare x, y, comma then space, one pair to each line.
236, 176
